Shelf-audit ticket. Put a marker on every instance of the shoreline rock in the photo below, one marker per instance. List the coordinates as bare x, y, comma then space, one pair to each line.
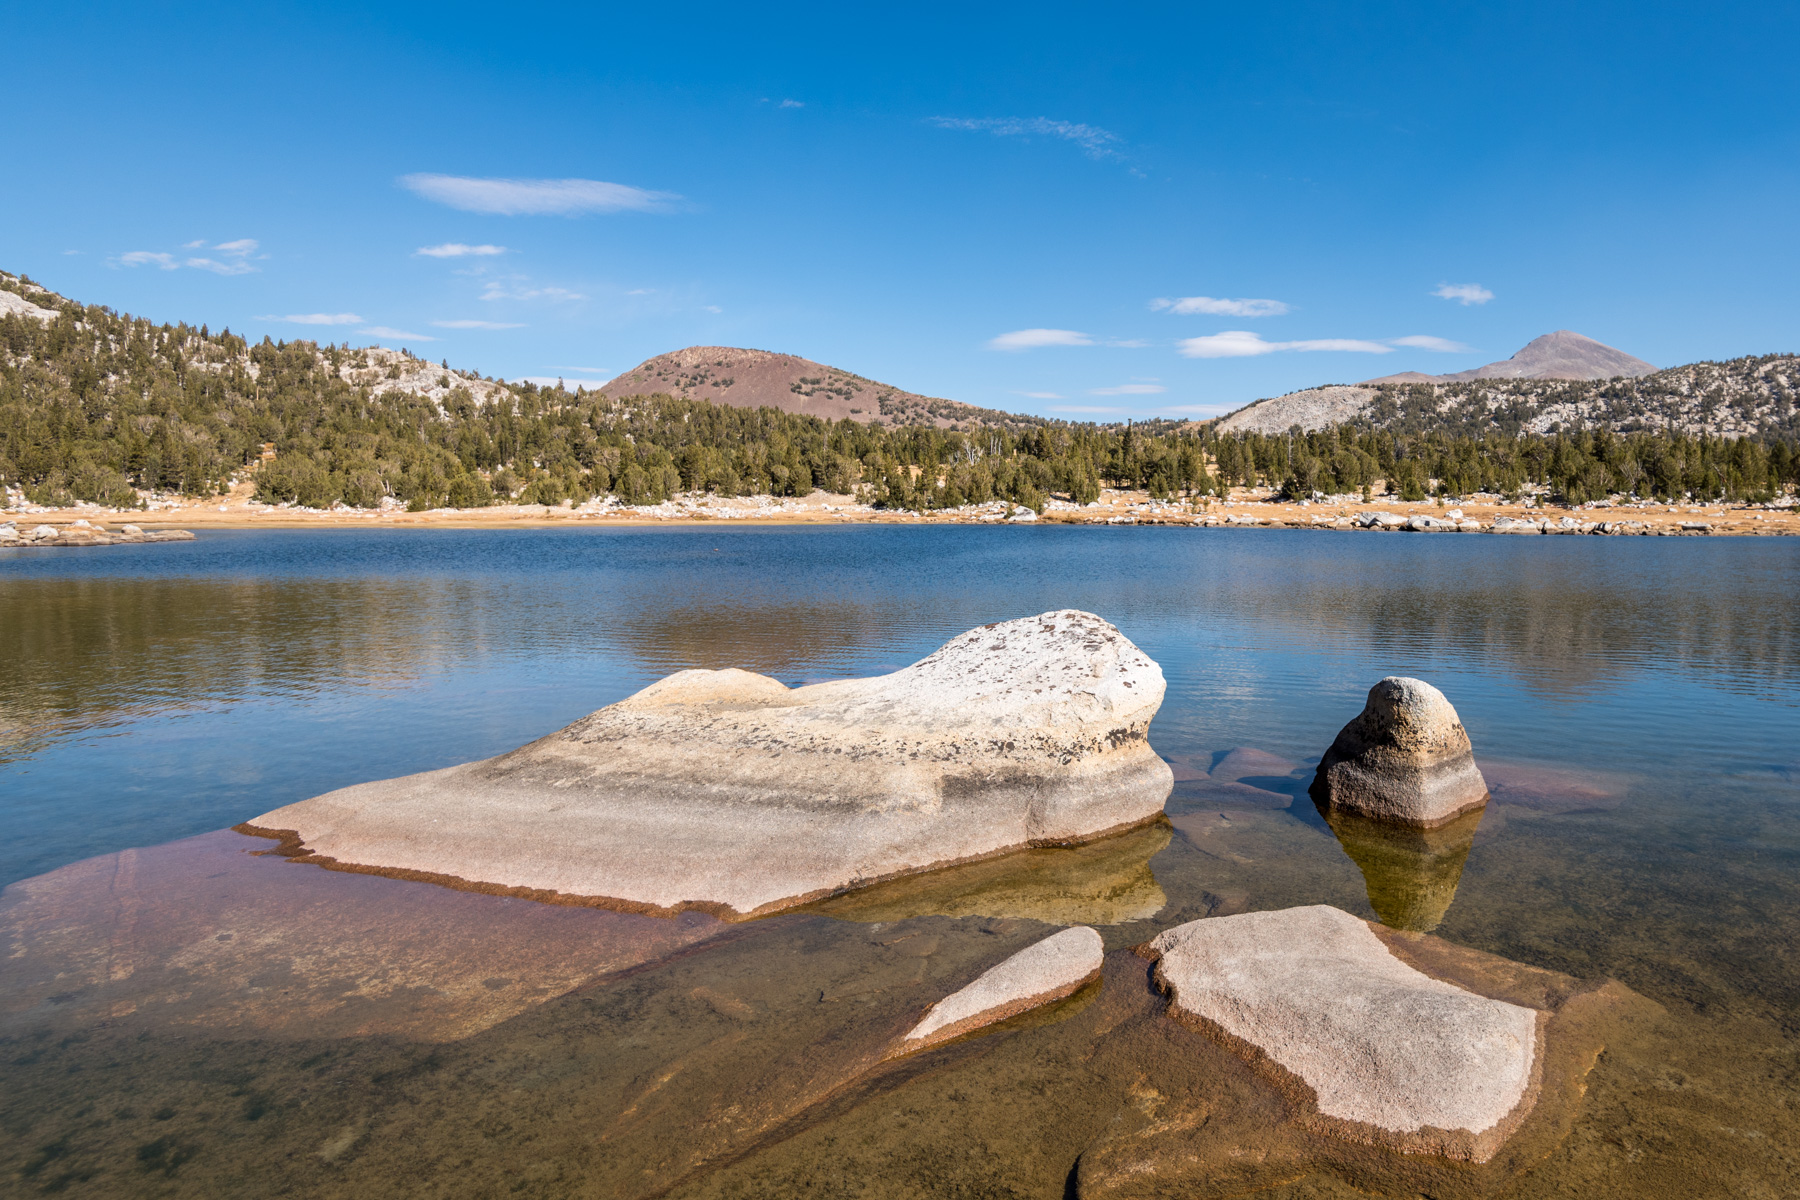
1372, 1048
1040, 974
1404, 758
82, 533
730, 793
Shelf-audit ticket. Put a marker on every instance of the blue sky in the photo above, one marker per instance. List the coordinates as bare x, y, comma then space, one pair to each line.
1090, 211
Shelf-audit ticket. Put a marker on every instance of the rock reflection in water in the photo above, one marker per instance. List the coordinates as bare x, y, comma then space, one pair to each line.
1411, 873
1107, 882
205, 935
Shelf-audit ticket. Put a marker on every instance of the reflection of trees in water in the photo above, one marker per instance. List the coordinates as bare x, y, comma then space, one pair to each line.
780, 639
1560, 624
82, 653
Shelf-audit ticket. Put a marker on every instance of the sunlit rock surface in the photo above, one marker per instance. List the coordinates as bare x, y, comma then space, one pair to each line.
204, 934
1411, 872
1383, 1052
1040, 974
1405, 758
730, 792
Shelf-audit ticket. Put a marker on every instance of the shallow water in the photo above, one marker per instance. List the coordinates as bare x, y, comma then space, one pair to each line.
190, 1019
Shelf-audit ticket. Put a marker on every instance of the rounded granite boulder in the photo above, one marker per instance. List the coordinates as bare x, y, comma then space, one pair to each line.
729, 792
1405, 758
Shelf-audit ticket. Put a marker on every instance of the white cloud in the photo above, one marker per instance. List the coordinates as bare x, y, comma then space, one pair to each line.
1464, 293
1130, 389
1239, 343
458, 250
317, 319
792, 104
516, 289
236, 252
471, 323
561, 381
535, 197
713, 308
1094, 141
383, 332
1199, 409
1031, 339
238, 267
1041, 395
1424, 341
1078, 408
1189, 305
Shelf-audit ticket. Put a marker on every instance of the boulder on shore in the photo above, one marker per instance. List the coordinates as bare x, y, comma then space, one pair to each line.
1405, 758
1039, 974
1371, 1048
729, 792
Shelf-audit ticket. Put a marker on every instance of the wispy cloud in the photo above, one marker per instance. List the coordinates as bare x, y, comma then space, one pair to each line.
1129, 389
1424, 341
1032, 339
520, 289
1041, 395
383, 332
471, 323
458, 250
1464, 293
236, 256
1094, 142
317, 319
792, 104
1239, 343
536, 197
1189, 305
1081, 408
560, 381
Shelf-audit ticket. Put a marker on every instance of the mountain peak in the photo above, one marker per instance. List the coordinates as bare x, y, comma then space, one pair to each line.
1564, 354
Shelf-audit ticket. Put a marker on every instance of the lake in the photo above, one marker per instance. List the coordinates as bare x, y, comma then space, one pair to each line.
183, 1016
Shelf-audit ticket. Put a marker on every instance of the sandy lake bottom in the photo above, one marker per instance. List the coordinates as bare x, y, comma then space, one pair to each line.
183, 1015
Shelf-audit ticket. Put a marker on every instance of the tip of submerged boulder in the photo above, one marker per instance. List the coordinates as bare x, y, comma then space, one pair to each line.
1406, 758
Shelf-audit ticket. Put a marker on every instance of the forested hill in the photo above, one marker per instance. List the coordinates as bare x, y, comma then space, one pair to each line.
110, 408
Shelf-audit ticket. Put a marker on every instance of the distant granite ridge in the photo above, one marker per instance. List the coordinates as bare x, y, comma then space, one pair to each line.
766, 379
1559, 381
1560, 355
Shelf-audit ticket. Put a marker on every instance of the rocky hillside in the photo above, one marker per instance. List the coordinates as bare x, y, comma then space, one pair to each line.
1739, 398
764, 379
1560, 355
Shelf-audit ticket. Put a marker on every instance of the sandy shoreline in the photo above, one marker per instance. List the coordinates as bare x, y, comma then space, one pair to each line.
1246, 508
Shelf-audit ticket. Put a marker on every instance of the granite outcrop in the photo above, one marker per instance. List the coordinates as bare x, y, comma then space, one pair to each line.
731, 793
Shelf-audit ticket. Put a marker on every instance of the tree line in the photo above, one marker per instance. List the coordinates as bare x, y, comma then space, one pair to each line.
98, 406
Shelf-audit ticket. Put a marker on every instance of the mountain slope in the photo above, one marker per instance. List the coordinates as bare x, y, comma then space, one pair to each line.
1740, 398
1560, 355
764, 379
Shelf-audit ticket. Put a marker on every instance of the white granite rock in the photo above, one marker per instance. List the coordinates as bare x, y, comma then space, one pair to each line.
1405, 758
1385, 1052
732, 793
1035, 976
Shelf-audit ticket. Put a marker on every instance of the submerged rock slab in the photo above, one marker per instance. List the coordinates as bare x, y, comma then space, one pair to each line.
1380, 1051
729, 792
1406, 758
1035, 976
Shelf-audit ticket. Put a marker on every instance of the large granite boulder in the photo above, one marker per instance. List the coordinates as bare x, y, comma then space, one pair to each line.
1037, 975
1371, 1048
1405, 758
729, 792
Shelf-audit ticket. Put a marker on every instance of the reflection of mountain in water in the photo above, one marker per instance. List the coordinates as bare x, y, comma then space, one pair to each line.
1101, 883
1411, 873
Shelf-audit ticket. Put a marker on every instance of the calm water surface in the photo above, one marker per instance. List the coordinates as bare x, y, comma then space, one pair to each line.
192, 1020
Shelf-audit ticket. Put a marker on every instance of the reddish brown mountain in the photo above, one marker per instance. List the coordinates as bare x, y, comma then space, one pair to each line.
764, 379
